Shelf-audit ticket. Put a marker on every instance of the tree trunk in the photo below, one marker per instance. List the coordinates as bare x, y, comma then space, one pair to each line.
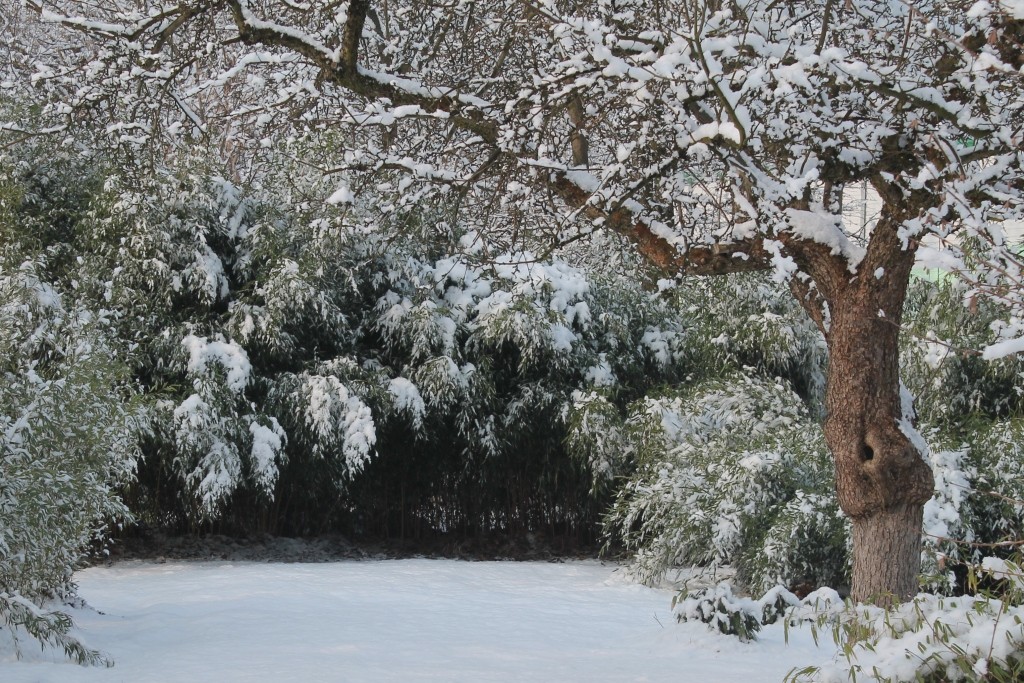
882, 480
887, 554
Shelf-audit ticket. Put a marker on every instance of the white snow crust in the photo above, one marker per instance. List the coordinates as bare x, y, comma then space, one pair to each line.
397, 620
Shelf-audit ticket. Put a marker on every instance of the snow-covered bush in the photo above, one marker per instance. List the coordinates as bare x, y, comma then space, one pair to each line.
978, 501
231, 302
282, 353
970, 410
68, 423
728, 466
495, 352
731, 471
722, 610
749, 320
996, 510
68, 439
596, 433
951, 383
930, 638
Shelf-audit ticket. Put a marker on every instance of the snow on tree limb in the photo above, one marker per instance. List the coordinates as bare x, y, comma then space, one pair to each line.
696, 130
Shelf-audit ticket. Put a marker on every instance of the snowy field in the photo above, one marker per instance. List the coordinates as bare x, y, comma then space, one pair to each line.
395, 621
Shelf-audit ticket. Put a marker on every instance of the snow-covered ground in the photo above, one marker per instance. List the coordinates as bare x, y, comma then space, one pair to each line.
398, 620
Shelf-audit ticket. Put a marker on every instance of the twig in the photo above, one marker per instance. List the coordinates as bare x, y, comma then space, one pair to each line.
977, 544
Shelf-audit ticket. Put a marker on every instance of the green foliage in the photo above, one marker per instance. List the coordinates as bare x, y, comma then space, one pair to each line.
749, 320
596, 434
977, 501
49, 628
302, 376
68, 438
996, 511
227, 305
971, 411
941, 366
495, 354
731, 471
721, 610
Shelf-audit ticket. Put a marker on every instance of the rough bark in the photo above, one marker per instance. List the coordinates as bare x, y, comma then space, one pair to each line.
887, 554
882, 480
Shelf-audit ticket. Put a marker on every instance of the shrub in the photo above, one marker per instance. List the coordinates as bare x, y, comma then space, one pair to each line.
730, 471
931, 639
68, 439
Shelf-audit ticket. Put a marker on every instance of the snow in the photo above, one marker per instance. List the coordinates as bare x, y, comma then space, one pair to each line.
232, 357
407, 398
267, 446
397, 620
952, 473
333, 410
942, 259
343, 195
1003, 348
931, 635
1013, 7
587, 182
103, 27
1003, 570
601, 374
259, 24
823, 228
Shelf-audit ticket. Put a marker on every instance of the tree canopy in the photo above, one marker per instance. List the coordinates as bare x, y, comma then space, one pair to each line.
680, 124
